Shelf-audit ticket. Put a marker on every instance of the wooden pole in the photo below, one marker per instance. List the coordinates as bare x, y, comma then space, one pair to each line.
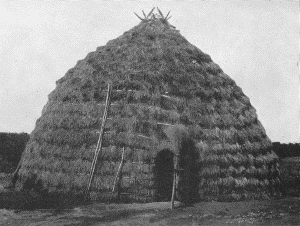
118, 175
99, 144
174, 181
15, 176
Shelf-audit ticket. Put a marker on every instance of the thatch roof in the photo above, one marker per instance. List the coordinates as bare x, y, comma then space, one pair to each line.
159, 80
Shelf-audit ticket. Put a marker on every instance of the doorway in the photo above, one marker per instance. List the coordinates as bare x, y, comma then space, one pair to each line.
188, 179
163, 175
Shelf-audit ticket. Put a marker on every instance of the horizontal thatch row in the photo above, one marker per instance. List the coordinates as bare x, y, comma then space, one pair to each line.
136, 183
253, 148
89, 109
77, 138
233, 183
93, 111
141, 95
73, 178
75, 121
117, 124
143, 134
137, 168
247, 195
136, 96
81, 118
222, 120
52, 181
234, 106
251, 133
237, 159
136, 123
233, 189
249, 172
68, 154
73, 138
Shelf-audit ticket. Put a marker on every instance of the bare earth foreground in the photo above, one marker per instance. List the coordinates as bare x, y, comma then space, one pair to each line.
268, 212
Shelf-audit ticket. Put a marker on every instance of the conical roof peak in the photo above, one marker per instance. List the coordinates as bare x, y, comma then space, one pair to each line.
156, 19
154, 16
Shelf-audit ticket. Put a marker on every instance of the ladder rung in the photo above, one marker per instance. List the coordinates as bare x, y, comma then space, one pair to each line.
170, 97
130, 90
144, 136
109, 105
165, 124
106, 131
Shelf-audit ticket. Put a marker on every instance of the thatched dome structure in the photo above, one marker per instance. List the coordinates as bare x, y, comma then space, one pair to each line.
159, 80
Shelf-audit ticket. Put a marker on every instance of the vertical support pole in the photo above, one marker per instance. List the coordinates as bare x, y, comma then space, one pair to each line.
15, 176
99, 144
135, 190
174, 181
119, 173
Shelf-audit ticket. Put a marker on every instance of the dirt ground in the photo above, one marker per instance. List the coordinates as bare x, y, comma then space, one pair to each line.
285, 211
268, 212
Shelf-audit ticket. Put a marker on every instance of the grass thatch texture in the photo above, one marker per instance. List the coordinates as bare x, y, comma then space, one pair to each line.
215, 171
237, 159
177, 135
106, 58
159, 80
233, 189
76, 129
63, 172
248, 135
137, 181
219, 147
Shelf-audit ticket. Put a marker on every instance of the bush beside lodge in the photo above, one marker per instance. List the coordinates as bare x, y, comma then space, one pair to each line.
12, 146
289, 155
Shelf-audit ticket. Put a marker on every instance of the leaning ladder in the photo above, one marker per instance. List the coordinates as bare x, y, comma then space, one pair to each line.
99, 144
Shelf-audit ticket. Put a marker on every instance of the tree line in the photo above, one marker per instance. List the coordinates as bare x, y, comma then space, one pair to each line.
286, 150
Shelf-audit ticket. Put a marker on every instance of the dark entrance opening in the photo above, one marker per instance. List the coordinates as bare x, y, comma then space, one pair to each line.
188, 183
163, 176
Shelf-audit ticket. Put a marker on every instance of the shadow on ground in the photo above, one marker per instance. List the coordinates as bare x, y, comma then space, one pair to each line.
268, 212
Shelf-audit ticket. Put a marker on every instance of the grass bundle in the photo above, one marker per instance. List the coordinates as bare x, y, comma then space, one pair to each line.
103, 183
211, 68
212, 171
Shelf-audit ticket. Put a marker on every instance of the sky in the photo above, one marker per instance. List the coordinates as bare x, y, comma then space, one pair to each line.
255, 42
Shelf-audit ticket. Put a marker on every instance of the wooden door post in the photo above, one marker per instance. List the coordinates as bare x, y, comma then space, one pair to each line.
174, 181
